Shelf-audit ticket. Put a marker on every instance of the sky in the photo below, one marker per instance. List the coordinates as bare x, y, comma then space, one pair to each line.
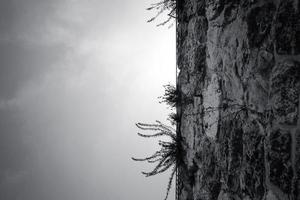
75, 78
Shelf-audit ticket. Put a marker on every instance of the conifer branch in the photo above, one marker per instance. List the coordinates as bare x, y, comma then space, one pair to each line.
167, 156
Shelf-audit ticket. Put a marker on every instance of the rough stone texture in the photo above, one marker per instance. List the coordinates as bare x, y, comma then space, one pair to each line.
239, 85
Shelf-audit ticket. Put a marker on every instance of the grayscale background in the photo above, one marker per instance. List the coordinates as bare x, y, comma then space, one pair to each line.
75, 77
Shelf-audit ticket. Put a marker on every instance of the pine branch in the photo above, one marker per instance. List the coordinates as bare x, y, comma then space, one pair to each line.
162, 6
167, 155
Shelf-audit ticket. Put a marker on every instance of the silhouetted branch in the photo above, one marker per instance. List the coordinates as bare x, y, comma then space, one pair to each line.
167, 156
162, 6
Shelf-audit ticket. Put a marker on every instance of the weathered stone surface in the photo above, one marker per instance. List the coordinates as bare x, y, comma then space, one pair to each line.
281, 172
296, 162
239, 83
285, 90
253, 175
287, 28
259, 22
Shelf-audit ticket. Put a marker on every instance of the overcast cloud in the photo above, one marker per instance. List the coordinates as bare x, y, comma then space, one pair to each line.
75, 77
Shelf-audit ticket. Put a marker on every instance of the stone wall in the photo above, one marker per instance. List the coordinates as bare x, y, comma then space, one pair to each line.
239, 85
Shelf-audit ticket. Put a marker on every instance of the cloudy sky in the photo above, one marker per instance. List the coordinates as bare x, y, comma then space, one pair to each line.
75, 77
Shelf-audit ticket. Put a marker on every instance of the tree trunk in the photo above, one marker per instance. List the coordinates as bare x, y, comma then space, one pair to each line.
239, 85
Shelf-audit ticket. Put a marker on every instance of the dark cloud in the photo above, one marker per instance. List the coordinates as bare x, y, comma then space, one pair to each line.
26, 56
23, 62
22, 17
12, 151
14, 154
22, 53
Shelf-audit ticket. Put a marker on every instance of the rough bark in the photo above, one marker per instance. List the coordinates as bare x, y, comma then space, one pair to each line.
239, 85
